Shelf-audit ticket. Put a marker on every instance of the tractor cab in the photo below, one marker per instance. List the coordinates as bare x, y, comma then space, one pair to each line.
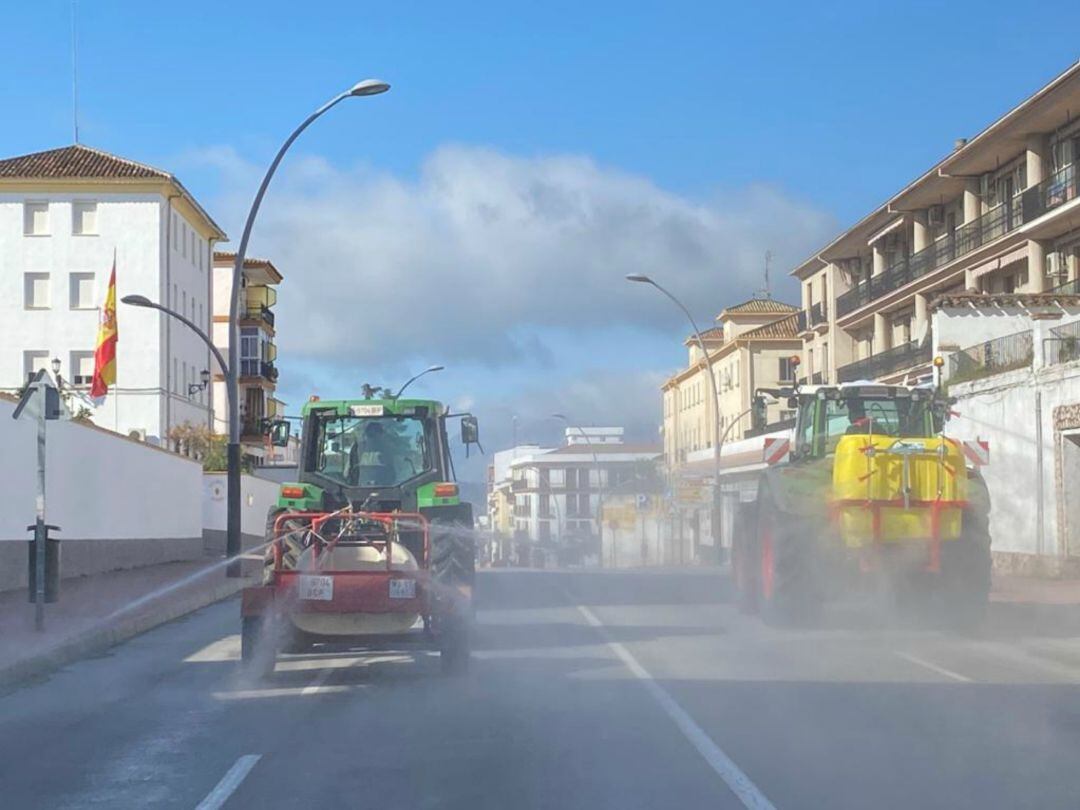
381, 455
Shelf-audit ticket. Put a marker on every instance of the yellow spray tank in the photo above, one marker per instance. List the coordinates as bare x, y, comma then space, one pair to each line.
887, 489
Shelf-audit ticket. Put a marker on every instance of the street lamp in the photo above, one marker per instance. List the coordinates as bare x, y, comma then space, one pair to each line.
204, 380
599, 481
415, 377
643, 279
367, 87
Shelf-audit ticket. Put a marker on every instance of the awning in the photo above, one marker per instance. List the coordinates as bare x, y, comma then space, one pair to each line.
1012, 256
896, 224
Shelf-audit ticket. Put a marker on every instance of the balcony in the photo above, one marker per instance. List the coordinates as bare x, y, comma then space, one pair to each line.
258, 368
800, 321
1025, 207
817, 378
258, 313
886, 362
992, 357
819, 315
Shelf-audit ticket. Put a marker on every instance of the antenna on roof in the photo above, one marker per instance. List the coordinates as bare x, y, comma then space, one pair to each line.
766, 292
74, 70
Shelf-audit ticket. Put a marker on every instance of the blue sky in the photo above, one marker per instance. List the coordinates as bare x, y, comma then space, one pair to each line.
703, 127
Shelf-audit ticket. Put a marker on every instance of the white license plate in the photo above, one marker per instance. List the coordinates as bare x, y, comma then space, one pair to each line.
317, 588
403, 589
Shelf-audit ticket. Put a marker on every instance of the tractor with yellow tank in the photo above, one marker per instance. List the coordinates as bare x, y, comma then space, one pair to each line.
870, 493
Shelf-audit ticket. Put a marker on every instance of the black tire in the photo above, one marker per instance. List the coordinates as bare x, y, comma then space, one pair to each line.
455, 646
294, 542
258, 648
788, 590
966, 565
746, 570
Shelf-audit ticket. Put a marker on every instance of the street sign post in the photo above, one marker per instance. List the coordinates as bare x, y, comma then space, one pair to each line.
41, 400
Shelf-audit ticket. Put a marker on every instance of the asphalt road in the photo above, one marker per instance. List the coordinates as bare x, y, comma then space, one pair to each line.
588, 690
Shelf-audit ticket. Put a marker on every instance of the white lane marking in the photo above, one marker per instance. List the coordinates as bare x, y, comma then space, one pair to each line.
930, 665
226, 648
317, 682
229, 782
739, 783
293, 691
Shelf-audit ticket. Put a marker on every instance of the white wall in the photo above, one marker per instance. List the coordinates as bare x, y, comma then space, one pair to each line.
1003, 409
131, 503
256, 498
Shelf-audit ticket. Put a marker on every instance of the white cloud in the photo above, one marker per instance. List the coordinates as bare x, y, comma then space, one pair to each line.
477, 255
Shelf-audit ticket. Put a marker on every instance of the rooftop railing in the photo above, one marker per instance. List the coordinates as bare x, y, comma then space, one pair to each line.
1004, 353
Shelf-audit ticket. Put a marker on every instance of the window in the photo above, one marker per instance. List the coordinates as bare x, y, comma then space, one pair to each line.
175, 231
183, 241
84, 218
369, 451
786, 370
175, 374
34, 361
36, 290
81, 288
36, 219
82, 368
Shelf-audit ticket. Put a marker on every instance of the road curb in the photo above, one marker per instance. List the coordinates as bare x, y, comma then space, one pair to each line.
101, 639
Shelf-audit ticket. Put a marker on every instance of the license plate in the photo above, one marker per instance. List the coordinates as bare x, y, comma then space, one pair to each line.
316, 588
367, 410
403, 589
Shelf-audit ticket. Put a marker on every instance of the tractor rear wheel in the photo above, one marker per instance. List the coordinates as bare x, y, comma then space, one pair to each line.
965, 577
746, 570
258, 647
787, 588
294, 537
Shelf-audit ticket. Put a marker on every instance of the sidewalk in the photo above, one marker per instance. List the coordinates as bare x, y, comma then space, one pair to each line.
96, 612
1035, 590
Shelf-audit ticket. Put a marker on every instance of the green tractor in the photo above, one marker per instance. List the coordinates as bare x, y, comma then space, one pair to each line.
372, 541
868, 493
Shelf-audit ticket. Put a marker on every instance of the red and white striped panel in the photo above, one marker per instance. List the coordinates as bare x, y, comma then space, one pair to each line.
977, 452
777, 450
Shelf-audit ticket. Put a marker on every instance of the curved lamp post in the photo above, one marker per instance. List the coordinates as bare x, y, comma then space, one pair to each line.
599, 480
707, 364
146, 303
368, 87
416, 377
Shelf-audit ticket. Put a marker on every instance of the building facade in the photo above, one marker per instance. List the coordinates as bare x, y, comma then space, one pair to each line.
258, 352
998, 215
558, 493
752, 347
65, 215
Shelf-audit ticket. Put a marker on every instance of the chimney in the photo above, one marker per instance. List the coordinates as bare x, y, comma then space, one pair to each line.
959, 144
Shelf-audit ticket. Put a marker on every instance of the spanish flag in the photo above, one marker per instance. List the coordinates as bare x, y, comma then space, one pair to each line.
105, 352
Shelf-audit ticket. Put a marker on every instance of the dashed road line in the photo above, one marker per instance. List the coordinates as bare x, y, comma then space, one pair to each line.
739, 783
217, 797
930, 665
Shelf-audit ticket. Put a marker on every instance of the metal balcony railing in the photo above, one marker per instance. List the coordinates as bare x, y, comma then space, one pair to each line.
800, 320
887, 362
1028, 205
818, 314
992, 357
258, 368
817, 378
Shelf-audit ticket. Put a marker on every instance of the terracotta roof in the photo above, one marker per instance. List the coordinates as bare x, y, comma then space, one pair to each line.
757, 306
222, 257
778, 329
77, 161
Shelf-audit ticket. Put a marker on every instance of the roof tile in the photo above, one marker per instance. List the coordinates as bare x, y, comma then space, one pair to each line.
76, 161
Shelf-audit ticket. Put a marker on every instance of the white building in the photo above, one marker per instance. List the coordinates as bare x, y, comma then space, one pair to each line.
258, 372
558, 493
64, 214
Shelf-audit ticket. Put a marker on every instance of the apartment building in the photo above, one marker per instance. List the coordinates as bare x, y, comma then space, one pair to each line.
752, 346
558, 493
999, 214
258, 371
64, 214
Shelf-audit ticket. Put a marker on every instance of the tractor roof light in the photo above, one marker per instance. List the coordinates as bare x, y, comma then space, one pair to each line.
313, 398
